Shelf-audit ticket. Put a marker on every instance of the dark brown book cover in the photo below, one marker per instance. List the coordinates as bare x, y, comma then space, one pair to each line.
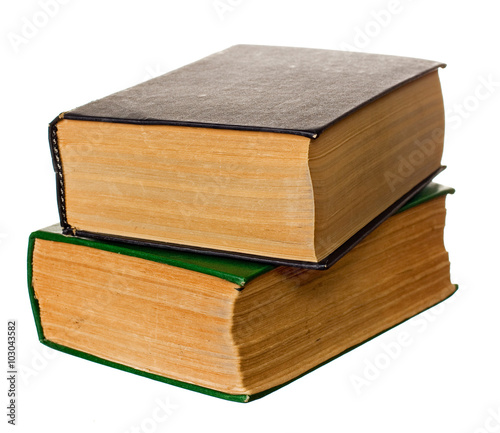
298, 91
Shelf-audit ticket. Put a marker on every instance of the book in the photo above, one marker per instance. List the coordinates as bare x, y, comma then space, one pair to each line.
276, 154
232, 328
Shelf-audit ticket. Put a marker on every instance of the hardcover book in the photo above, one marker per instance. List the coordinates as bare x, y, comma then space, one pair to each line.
276, 154
231, 328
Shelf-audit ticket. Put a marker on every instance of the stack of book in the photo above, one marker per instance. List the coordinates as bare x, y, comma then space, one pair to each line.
233, 224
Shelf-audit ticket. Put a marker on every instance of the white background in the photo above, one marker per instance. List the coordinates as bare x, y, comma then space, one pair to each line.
447, 379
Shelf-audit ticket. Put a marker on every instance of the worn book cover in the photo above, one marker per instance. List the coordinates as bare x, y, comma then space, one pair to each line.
231, 328
277, 154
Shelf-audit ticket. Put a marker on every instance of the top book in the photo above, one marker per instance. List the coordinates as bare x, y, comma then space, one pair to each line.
287, 155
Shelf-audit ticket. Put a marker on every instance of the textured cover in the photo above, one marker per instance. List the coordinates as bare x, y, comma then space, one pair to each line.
262, 88
223, 268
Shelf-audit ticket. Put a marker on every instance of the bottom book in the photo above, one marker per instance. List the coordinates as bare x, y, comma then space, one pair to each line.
231, 328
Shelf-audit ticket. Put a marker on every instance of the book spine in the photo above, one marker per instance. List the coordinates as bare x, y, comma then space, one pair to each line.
35, 308
57, 164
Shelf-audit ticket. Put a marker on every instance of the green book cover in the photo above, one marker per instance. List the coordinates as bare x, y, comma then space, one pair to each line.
239, 272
